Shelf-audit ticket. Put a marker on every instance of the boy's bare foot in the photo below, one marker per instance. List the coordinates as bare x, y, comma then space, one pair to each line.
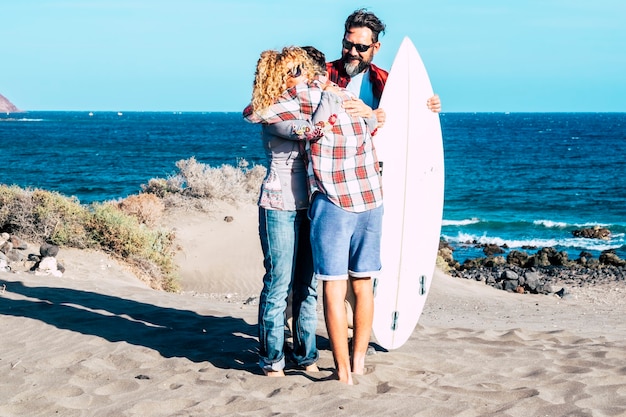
346, 379
311, 368
364, 371
273, 374
358, 365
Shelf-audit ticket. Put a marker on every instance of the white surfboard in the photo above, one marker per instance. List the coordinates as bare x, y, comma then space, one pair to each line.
410, 149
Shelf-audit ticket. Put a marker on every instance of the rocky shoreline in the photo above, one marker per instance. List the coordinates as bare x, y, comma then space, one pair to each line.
547, 271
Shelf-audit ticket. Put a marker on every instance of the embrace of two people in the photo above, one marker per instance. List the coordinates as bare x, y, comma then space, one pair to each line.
321, 205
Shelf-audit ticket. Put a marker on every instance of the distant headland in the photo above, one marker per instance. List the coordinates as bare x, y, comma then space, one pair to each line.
6, 106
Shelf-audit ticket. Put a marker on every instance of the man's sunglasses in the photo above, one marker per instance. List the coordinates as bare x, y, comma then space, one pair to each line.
358, 46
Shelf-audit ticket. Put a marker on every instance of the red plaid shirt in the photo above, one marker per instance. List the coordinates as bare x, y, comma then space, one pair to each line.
296, 103
337, 74
342, 160
343, 164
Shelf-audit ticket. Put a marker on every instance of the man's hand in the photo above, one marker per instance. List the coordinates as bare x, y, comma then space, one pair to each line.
358, 108
381, 117
434, 104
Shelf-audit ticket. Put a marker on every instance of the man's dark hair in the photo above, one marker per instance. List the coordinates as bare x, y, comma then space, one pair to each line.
362, 18
318, 58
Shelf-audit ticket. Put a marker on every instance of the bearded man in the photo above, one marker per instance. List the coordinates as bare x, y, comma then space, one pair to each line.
355, 70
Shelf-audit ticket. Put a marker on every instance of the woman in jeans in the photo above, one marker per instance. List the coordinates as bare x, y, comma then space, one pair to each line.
283, 221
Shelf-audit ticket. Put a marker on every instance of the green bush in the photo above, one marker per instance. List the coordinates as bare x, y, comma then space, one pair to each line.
124, 235
39, 215
60, 220
42, 216
128, 229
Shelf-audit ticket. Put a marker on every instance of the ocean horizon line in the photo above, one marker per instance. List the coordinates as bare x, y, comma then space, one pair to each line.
500, 112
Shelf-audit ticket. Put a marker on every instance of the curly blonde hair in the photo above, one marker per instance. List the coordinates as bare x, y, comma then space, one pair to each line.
271, 74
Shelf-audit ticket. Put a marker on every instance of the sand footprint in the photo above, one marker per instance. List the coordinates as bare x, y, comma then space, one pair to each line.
65, 391
117, 387
63, 360
491, 391
70, 396
167, 407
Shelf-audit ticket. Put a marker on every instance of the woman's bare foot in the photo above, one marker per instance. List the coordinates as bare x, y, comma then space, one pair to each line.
311, 368
273, 374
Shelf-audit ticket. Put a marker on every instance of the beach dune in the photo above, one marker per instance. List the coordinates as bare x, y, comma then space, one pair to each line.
99, 342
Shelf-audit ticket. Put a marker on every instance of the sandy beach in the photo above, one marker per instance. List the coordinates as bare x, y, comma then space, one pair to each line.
99, 342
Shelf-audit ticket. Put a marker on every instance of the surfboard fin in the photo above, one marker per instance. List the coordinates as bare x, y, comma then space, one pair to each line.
394, 320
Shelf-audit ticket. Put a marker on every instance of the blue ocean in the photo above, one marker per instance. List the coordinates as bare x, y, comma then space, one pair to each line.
524, 180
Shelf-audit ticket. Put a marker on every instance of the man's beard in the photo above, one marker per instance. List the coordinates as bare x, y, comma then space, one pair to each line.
355, 68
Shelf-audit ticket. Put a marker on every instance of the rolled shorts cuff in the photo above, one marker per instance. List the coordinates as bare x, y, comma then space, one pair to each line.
343, 277
367, 274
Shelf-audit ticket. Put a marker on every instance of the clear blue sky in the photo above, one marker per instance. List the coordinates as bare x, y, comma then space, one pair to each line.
199, 55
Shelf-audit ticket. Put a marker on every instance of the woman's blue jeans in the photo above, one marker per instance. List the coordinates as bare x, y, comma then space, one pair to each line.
288, 265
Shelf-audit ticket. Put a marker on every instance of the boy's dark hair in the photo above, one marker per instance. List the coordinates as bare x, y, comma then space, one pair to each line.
318, 58
362, 18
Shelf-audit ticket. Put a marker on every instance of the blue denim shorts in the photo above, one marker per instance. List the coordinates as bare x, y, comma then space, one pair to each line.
345, 244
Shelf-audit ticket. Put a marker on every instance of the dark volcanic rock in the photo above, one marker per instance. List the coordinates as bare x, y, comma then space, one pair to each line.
548, 271
517, 258
492, 249
609, 257
595, 232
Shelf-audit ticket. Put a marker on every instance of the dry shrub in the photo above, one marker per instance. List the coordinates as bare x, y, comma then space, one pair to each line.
196, 180
254, 179
147, 208
162, 187
61, 219
39, 215
188, 203
125, 237
16, 211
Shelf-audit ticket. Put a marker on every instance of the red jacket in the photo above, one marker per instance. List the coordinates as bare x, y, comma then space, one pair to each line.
337, 74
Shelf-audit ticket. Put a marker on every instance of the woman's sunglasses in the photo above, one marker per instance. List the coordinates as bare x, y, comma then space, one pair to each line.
358, 46
295, 72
